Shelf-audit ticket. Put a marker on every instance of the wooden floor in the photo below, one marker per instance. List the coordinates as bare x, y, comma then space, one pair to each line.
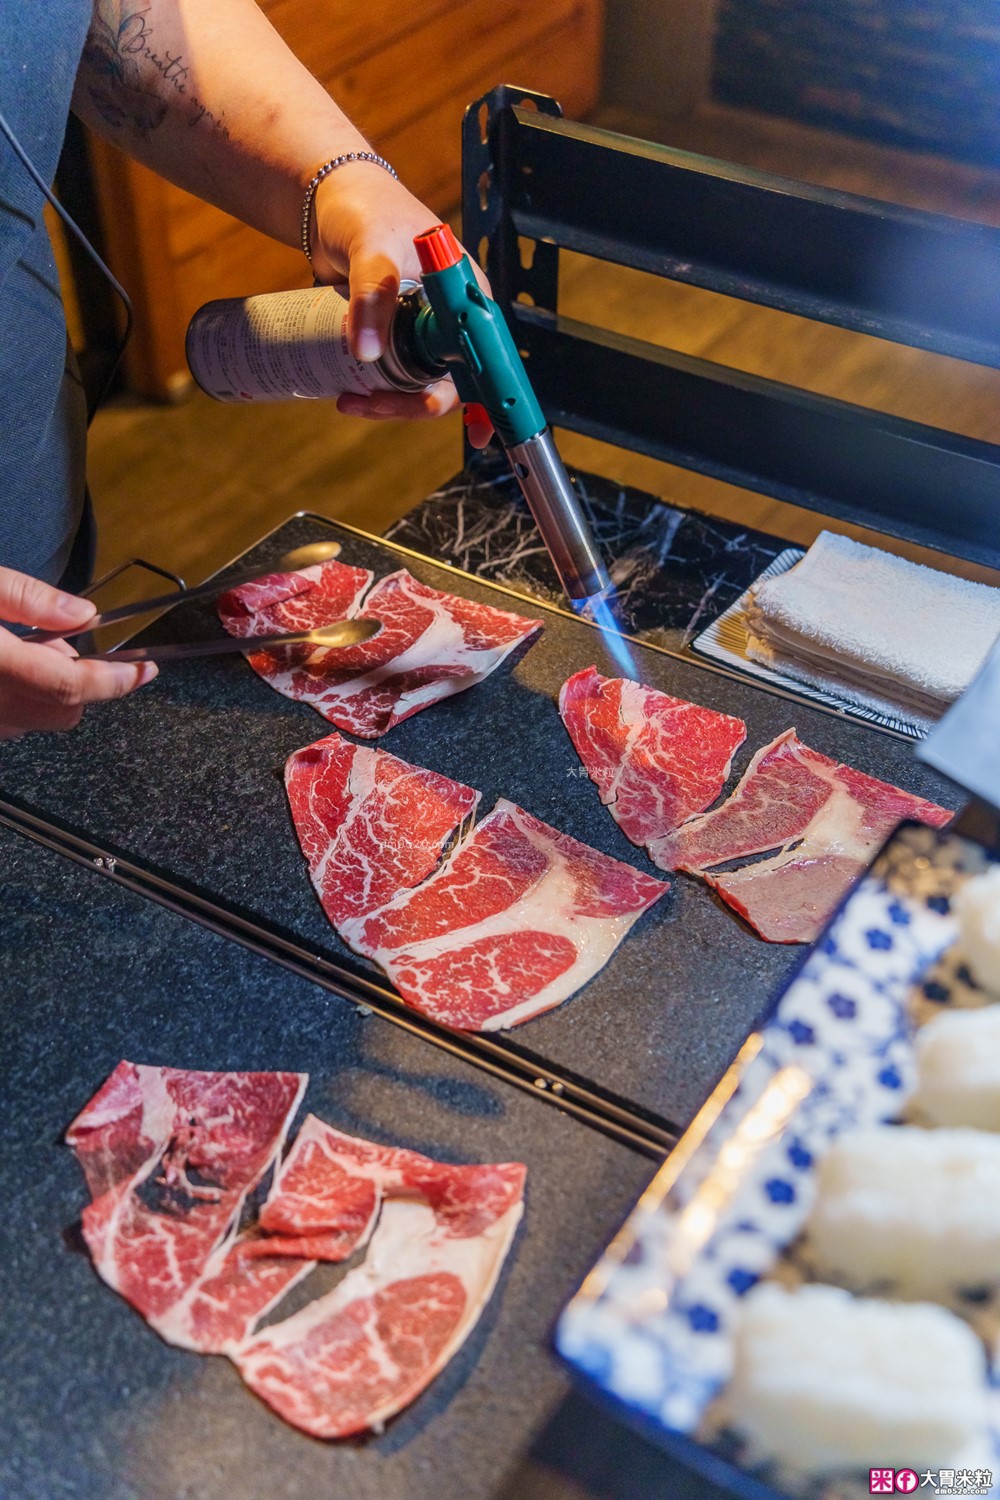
192, 485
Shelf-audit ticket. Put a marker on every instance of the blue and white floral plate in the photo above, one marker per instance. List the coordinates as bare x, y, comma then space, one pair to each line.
651, 1326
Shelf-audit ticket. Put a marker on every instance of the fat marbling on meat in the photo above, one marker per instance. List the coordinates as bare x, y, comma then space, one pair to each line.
826, 820
293, 601
170, 1156
431, 645
517, 919
370, 824
654, 759
353, 1358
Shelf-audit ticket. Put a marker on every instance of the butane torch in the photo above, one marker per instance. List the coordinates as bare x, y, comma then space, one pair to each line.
460, 328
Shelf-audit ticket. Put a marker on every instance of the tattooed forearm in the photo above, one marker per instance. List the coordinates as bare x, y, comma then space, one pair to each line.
119, 61
116, 42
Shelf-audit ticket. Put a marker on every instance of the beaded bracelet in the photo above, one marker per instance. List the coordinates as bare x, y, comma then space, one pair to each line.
324, 171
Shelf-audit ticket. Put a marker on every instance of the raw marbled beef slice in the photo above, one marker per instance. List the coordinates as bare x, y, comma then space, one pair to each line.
791, 792
322, 1205
780, 792
170, 1156
370, 825
518, 919
352, 1359
234, 1291
826, 819
325, 1193
303, 600
431, 645
654, 759
789, 899
292, 601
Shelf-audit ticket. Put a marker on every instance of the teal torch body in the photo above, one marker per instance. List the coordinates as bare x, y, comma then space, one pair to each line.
460, 329
463, 329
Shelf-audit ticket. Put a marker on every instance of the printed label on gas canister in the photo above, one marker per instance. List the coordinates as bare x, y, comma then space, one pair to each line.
275, 346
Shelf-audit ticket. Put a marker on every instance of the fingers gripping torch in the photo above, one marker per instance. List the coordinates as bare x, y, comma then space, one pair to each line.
459, 329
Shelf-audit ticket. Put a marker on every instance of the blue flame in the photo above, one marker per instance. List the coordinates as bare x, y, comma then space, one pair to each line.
598, 609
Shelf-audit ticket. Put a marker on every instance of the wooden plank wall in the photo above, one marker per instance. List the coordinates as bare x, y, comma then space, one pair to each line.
190, 485
404, 74
921, 74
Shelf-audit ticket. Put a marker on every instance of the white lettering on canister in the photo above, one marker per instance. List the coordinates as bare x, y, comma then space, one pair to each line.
279, 345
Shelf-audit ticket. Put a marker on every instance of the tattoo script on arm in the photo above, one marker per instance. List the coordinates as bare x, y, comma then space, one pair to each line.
130, 81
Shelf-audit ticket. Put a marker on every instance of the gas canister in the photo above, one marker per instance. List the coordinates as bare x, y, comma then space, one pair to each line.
278, 345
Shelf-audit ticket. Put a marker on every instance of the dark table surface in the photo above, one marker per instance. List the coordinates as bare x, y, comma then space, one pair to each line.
186, 779
674, 570
94, 1406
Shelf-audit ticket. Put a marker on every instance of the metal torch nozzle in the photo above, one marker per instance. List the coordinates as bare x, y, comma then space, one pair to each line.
556, 509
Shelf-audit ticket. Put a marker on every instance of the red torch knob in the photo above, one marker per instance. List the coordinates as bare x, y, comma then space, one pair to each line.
476, 415
437, 248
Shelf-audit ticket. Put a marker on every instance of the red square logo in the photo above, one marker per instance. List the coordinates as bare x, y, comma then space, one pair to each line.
881, 1481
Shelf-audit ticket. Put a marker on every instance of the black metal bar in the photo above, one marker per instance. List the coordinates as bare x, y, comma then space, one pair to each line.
488, 230
587, 1102
487, 159
912, 277
123, 567
918, 483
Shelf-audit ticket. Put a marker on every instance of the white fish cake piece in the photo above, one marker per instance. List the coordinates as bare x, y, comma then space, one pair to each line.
916, 1211
826, 1382
958, 1069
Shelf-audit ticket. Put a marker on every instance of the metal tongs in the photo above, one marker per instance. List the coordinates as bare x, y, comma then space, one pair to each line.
341, 633
336, 635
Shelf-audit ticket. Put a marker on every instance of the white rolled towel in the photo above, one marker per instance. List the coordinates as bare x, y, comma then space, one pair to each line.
889, 634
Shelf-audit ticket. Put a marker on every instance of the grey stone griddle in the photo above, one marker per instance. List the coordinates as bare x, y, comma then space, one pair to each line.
186, 779
94, 1405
